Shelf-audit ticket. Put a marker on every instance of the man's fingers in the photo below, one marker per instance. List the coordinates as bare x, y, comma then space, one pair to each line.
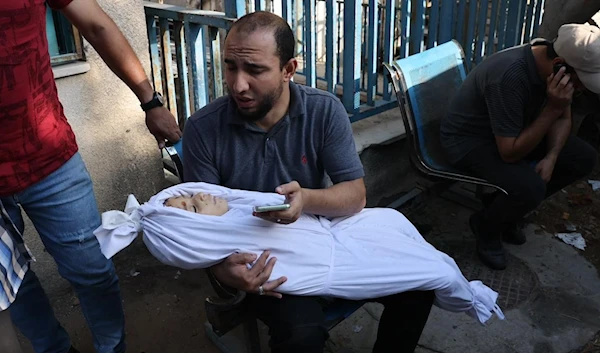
556, 78
172, 130
274, 284
565, 80
269, 287
160, 140
288, 188
282, 215
264, 215
262, 275
260, 266
242, 258
174, 136
274, 294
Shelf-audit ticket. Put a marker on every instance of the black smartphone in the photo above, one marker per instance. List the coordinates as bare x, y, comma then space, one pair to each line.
557, 67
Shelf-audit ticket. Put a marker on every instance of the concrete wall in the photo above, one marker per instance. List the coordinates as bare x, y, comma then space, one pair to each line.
120, 153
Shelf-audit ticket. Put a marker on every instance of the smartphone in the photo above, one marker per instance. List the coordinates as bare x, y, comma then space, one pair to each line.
271, 208
557, 67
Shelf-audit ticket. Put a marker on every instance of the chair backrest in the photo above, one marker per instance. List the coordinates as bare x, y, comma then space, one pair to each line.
424, 84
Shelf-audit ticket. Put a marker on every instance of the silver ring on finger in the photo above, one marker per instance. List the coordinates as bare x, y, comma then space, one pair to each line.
278, 220
261, 290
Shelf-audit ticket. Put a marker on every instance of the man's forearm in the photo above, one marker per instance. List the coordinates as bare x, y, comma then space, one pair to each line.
104, 35
534, 133
558, 134
341, 199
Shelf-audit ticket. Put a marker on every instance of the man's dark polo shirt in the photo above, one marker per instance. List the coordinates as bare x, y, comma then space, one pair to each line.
500, 97
314, 138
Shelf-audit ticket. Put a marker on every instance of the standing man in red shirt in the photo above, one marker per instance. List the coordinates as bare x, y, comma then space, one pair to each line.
42, 173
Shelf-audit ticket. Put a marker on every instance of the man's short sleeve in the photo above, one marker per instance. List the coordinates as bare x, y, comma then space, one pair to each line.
506, 106
198, 160
59, 4
339, 156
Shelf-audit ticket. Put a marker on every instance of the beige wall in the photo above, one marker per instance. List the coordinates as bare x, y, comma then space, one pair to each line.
120, 153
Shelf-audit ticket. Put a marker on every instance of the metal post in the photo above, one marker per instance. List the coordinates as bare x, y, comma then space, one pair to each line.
388, 43
197, 70
310, 45
352, 59
331, 54
235, 8
372, 51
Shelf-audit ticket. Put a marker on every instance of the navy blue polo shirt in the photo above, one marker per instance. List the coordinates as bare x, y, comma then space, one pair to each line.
312, 140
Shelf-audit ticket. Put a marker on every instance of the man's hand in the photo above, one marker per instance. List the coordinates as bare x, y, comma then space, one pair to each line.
295, 197
109, 42
234, 272
559, 90
162, 125
545, 167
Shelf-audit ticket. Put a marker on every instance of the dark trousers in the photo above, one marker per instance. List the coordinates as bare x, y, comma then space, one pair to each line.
526, 189
297, 324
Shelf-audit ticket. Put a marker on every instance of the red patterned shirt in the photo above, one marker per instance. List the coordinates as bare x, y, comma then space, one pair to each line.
35, 138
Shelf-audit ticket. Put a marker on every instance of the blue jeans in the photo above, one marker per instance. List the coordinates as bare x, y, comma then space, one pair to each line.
63, 210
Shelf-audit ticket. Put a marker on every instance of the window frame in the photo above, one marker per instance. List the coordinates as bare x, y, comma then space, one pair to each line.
61, 33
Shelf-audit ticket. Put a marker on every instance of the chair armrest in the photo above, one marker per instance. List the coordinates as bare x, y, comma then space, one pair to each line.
222, 290
224, 314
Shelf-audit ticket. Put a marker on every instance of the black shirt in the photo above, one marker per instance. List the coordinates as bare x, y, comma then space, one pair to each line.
500, 97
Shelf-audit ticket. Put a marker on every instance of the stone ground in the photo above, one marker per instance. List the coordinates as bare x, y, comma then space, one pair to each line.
550, 292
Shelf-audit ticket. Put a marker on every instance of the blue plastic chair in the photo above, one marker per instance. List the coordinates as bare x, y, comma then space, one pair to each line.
424, 84
336, 310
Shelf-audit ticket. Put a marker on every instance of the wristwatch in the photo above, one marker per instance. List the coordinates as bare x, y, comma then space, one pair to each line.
157, 101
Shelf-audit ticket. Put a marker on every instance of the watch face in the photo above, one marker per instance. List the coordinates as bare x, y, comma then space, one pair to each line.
160, 98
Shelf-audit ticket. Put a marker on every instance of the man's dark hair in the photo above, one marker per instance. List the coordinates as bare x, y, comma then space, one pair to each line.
550, 52
284, 37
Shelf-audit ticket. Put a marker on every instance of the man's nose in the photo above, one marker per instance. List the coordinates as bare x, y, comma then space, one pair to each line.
240, 83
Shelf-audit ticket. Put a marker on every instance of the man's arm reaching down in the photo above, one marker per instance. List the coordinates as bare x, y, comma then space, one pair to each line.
104, 35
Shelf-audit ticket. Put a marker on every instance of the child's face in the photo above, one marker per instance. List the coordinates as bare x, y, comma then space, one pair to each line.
201, 203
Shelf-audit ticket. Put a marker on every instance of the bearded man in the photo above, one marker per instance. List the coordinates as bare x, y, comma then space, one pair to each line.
271, 134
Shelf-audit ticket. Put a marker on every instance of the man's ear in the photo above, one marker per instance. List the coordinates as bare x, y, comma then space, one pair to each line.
558, 61
289, 69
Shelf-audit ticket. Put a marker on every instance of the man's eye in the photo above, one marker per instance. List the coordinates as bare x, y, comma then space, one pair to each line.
194, 208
